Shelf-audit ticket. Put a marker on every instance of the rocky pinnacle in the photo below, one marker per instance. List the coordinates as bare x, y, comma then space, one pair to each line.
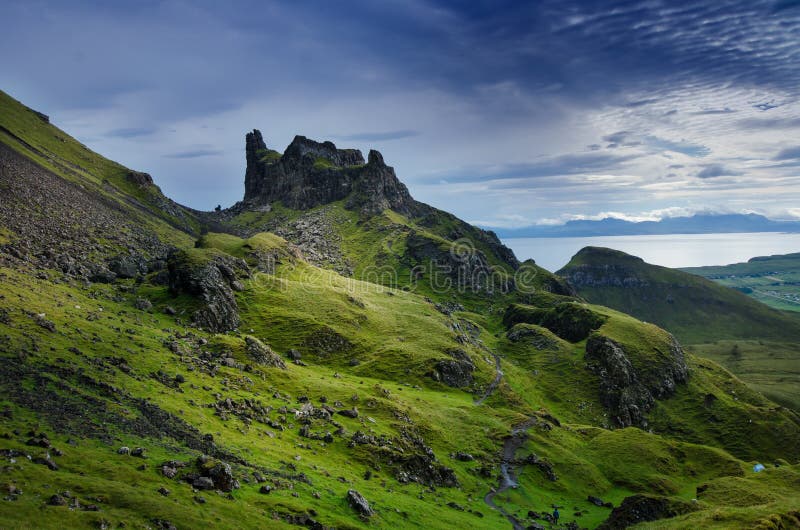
310, 174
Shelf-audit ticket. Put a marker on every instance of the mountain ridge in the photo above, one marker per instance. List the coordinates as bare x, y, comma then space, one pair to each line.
694, 224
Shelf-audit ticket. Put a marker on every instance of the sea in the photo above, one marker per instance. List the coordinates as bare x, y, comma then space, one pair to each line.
674, 250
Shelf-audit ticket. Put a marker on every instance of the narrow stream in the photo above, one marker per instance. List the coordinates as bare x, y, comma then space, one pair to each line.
508, 477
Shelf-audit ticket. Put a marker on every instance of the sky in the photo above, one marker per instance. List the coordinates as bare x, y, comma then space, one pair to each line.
505, 113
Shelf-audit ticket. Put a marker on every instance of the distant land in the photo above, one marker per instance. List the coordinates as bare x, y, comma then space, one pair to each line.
695, 224
773, 280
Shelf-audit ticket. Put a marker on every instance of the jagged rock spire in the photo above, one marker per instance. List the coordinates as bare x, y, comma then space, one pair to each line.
311, 173
254, 149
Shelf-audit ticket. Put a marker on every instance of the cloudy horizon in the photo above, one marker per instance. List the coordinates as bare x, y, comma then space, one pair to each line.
505, 114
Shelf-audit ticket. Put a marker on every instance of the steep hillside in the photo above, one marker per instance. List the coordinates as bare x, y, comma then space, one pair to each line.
694, 308
772, 280
756, 342
325, 359
133, 193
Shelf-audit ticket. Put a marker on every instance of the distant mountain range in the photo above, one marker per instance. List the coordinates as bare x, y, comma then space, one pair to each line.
695, 224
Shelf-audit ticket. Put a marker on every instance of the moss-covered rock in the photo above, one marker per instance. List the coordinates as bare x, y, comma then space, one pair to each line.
629, 391
571, 321
211, 277
643, 508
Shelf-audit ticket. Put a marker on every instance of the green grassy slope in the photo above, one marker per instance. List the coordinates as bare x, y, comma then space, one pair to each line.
62, 388
771, 367
694, 308
98, 366
772, 280
30, 133
756, 342
409, 254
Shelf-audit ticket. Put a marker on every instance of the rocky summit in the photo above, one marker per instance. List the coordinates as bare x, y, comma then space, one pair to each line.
310, 174
330, 353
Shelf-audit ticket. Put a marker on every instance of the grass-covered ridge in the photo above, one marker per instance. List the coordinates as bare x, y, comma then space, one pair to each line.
694, 308
756, 342
31, 134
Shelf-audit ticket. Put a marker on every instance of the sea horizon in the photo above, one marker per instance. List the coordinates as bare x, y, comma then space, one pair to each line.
667, 250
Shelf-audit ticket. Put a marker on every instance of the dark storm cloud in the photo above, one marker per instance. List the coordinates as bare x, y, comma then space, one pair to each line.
617, 137
765, 106
711, 112
770, 123
640, 103
207, 56
572, 164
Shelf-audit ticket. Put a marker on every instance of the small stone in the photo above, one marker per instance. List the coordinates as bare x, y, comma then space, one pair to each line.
595, 500
203, 483
143, 304
359, 503
57, 500
349, 413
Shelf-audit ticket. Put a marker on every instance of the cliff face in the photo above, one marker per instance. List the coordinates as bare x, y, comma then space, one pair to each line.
629, 386
310, 174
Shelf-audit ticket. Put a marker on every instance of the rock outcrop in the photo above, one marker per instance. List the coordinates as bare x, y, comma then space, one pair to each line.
139, 178
570, 321
456, 372
643, 508
310, 174
213, 280
629, 389
451, 266
263, 354
534, 336
359, 503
